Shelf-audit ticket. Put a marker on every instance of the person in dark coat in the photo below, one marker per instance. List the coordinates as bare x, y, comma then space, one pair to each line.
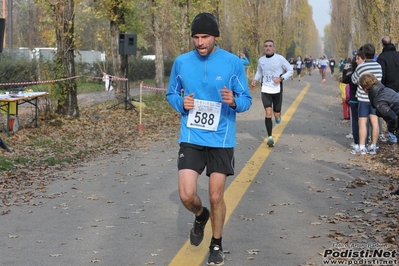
389, 61
385, 100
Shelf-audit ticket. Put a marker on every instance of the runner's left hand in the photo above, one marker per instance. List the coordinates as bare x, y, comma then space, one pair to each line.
228, 97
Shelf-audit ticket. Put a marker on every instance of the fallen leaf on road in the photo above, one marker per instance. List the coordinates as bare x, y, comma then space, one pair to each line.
252, 251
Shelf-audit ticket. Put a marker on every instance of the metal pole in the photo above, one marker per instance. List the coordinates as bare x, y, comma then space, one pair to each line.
127, 81
9, 20
141, 98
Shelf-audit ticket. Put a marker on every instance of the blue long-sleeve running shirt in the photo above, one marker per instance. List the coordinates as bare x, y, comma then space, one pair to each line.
211, 123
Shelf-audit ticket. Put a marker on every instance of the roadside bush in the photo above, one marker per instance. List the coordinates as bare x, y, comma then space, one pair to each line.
13, 70
145, 69
138, 69
89, 71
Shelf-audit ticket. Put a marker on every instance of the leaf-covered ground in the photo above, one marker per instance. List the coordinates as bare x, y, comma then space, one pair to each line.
375, 218
38, 154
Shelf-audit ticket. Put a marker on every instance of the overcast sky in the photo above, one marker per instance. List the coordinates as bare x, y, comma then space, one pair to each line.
321, 14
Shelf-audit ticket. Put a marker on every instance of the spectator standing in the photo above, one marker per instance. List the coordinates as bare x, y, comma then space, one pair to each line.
353, 102
244, 59
348, 63
215, 90
366, 111
347, 66
273, 69
389, 61
341, 65
245, 62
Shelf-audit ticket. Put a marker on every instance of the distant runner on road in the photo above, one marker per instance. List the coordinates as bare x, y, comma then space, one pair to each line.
274, 68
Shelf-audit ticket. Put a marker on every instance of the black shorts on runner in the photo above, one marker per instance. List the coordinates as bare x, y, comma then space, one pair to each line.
273, 99
194, 157
298, 71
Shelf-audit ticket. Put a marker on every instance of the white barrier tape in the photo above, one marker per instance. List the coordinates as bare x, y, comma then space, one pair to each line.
58, 80
55, 80
116, 78
152, 88
36, 82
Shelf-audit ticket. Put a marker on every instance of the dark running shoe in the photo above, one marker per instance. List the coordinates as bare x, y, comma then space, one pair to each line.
197, 232
216, 255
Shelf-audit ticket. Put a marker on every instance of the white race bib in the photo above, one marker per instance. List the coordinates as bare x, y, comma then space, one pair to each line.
205, 115
268, 79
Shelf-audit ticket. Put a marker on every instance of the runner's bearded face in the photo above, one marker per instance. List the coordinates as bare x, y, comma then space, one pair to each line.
204, 43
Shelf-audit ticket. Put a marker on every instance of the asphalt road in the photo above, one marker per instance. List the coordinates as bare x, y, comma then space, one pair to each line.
282, 203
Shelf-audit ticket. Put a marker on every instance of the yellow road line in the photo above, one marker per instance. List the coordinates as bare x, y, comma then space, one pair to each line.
190, 255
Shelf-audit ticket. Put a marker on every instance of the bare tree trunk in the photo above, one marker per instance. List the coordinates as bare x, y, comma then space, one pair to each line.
185, 42
159, 64
157, 19
64, 21
119, 62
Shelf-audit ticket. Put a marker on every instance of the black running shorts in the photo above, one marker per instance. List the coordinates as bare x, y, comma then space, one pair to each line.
273, 99
194, 157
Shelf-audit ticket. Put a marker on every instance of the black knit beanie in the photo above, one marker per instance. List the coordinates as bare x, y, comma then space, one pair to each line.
205, 23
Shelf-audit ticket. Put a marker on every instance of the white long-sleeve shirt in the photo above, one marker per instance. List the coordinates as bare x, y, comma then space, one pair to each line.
270, 68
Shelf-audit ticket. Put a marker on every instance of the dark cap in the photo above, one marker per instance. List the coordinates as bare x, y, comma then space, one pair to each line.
205, 23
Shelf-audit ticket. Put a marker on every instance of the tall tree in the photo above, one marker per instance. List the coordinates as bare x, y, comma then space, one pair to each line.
27, 16
159, 16
353, 23
339, 32
92, 29
179, 27
117, 12
63, 15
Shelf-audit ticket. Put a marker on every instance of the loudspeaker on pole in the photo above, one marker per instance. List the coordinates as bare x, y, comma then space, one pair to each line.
127, 44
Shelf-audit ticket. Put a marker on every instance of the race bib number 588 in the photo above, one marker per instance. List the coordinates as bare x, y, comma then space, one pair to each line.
205, 115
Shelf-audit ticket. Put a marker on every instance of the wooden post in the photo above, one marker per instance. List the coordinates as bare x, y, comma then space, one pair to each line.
140, 126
